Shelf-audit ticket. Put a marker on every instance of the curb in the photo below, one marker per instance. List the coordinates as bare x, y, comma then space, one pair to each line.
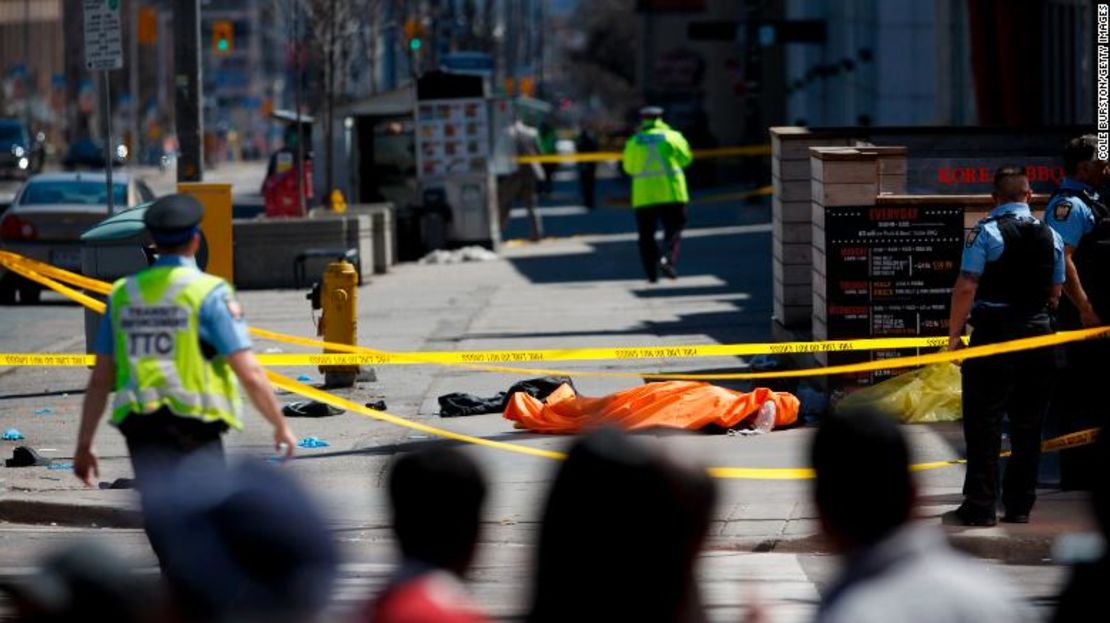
38, 512
1008, 549
1031, 549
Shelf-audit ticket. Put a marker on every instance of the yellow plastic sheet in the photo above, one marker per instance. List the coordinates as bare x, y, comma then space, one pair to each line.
928, 394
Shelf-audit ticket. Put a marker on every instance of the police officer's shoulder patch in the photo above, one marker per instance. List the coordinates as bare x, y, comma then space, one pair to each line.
233, 307
1062, 210
972, 235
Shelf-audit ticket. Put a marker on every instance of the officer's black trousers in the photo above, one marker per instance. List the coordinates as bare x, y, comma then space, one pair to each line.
673, 216
1079, 403
160, 442
1016, 386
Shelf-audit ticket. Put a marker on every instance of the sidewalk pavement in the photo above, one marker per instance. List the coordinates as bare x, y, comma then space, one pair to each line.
572, 291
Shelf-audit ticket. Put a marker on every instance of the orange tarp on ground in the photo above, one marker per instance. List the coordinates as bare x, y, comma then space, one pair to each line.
673, 404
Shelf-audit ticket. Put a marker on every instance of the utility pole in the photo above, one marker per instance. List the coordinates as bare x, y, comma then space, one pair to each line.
187, 90
541, 45
27, 90
109, 159
329, 105
73, 17
298, 96
133, 81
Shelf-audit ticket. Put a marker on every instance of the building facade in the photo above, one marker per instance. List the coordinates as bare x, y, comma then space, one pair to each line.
941, 62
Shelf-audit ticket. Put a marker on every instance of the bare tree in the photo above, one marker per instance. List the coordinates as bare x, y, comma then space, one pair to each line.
335, 30
604, 57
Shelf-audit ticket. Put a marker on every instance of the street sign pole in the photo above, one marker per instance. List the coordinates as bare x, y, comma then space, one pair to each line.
108, 140
103, 52
188, 113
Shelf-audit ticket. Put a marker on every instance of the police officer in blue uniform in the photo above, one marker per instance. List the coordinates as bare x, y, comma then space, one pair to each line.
1010, 280
1078, 214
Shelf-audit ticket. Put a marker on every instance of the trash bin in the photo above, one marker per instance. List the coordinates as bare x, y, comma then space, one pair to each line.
408, 243
116, 247
435, 218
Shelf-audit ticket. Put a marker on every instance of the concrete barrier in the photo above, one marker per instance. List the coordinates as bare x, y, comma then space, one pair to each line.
384, 228
266, 250
360, 236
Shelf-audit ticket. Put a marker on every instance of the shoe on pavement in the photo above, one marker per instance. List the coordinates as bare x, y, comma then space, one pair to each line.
965, 517
1015, 518
667, 269
23, 456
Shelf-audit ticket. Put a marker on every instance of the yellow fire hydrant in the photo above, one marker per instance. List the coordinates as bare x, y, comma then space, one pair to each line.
338, 201
339, 319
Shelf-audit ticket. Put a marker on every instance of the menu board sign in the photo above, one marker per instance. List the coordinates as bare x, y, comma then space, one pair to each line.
890, 270
452, 137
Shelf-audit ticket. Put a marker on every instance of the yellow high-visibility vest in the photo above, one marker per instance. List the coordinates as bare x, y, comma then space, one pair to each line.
159, 362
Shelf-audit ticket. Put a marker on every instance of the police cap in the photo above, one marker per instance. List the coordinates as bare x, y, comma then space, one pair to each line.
173, 219
651, 112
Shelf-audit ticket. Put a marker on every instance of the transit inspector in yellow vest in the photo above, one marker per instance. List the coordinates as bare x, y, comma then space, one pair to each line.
173, 346
654, 157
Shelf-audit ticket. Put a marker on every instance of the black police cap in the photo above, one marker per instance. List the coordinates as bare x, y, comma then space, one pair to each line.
173, 213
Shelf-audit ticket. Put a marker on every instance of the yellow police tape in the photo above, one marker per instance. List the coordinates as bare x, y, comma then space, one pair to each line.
746, 473
312, 393
84, 299
750, 473
1071, 440
367, 356
474, 360
975, 352
383, 358
616, 156
46, 360
762, 191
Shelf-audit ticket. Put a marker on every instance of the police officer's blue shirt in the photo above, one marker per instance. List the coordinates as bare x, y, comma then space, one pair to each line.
986, 244
1068, 216
219, 325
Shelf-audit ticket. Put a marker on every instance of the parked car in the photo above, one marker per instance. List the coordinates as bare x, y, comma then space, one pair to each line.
90, 154
49, 214
20, 154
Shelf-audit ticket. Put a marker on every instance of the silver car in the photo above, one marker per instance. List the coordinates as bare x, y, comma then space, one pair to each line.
48, 216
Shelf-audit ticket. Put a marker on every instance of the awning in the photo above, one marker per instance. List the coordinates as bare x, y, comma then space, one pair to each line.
390, 103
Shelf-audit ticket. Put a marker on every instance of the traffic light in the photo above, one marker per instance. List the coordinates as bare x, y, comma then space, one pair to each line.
148, 25
528, 86
223, 37
414, 34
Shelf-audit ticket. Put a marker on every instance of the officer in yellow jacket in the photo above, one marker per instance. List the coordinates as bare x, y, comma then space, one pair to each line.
655, 157
173, 346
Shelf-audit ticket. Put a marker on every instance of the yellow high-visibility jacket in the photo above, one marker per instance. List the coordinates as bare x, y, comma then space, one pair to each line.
655, 158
